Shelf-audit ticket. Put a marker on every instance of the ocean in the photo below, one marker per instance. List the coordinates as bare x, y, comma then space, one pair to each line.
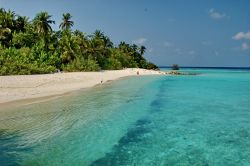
195, 120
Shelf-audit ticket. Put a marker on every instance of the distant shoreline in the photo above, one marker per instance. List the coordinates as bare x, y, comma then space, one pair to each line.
27, 87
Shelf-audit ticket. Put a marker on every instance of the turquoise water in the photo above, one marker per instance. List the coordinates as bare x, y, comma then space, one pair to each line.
201, 120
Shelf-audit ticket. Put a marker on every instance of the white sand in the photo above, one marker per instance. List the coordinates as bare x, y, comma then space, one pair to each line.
14, 88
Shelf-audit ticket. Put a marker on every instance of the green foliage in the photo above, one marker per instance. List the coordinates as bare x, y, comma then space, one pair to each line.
151, 66
81, 64
175, 67
23, 39
32, 47
112, 64
18, 61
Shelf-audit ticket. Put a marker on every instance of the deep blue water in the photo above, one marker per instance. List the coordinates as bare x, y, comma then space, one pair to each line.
200, 120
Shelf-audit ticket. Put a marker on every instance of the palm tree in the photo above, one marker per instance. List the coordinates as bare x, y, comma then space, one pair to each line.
124, 47
2, 10
66, 22
107, 42
98, 34
97, 41
42, 23
81, 40
20, 23
122, 43
142, 50
68, 47
134, 47
78, 33
7, 18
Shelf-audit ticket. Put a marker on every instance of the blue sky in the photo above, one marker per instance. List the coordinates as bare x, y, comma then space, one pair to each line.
190, 33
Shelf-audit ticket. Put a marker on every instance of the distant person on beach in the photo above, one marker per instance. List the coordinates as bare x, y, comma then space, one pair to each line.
137, 73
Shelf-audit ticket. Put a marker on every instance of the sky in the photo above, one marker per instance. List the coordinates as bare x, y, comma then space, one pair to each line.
213, 33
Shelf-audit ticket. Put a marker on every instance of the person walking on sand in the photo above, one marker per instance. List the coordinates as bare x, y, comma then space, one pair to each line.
137, 73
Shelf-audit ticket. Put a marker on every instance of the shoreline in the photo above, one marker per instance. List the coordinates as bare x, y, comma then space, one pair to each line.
22, 88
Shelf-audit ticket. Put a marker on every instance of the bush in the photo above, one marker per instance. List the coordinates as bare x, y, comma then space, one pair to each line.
152, 66
81, 64
175, 67
112, 64
18, 62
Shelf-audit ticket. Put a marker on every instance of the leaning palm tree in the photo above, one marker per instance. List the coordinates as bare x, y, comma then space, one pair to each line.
42, 23
66, 22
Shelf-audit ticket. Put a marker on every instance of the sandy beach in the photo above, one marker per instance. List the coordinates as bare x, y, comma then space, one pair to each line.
20, 87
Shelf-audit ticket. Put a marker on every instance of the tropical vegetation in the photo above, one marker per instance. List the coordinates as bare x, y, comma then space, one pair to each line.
175, 67
33, 47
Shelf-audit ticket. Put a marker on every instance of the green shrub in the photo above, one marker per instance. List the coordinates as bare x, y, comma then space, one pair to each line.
18, 61
81, 64
175, 67
152, 66
112, 64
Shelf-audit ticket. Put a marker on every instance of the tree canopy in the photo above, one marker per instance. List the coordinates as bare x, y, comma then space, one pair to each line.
33, 47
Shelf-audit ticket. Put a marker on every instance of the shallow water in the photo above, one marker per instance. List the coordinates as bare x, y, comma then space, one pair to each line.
198, 120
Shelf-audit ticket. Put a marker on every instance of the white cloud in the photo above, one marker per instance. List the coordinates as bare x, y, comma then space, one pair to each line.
245, 46
242, 35
140, 41
216, 15
168, 44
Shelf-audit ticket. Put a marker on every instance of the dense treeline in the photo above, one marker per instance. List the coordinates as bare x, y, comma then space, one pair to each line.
33, 47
